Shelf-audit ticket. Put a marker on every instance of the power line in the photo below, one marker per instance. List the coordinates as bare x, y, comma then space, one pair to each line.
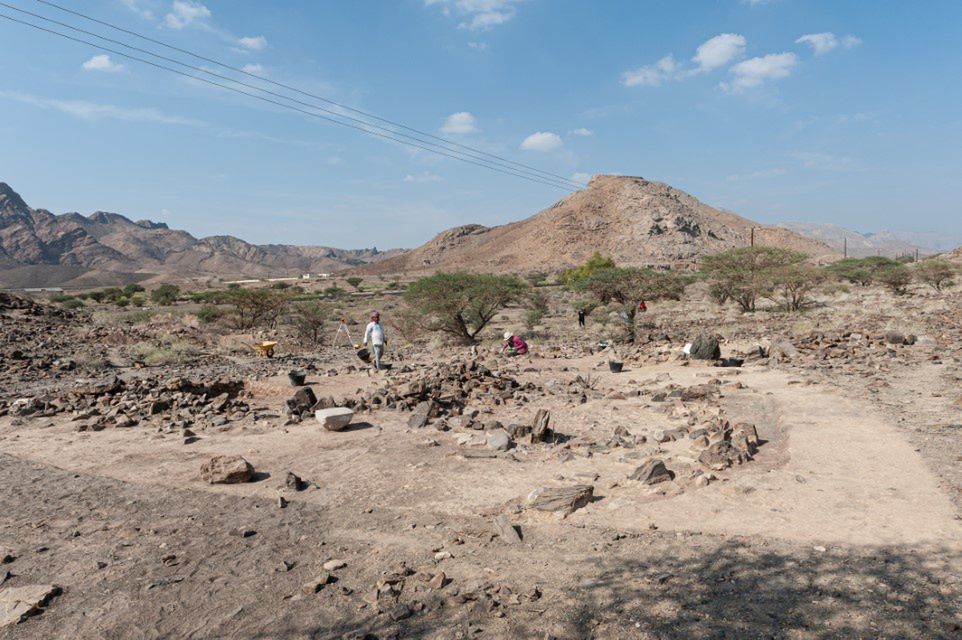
281, 104
564, 183
295, 89
494, 159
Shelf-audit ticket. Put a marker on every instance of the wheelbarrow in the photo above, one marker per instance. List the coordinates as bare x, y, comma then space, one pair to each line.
265, 348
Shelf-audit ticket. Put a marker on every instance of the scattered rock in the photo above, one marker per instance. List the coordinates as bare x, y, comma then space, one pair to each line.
334, 565
564, 500
499, 440
227, 470
506, 531
705, 347
652, 472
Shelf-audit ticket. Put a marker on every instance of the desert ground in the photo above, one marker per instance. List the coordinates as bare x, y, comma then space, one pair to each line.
479, 496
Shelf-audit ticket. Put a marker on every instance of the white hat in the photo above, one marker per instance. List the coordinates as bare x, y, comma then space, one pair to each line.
507, 335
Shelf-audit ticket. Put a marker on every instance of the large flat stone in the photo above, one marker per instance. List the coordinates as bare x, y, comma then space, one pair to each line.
18, 603
335, 419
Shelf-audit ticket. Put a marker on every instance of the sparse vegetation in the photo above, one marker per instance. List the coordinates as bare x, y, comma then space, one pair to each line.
938, 273
896, 277
165, 294
257, 307
462, 304
626, 287
571, 277
746, 274
309, 319
355, 282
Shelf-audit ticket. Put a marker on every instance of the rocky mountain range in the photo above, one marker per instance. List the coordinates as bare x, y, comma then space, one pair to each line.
635, 221
39, 248
858, 245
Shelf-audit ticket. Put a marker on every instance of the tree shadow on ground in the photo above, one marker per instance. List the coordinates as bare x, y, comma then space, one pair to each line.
736, 589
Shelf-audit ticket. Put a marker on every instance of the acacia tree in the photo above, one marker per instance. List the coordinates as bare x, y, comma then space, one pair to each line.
860, 271
309, 318
747, 273
938, 273
355, 282
793, 285
896, 277
257, 307
462, 304
165, 294
628, 286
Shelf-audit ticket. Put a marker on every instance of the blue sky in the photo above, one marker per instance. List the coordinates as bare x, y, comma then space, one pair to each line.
825, 111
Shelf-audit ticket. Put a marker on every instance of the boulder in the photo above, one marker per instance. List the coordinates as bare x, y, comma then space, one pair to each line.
303, 401
721, 455
227, 470
335, 419
564, 500
652, 472
705, 347
498, 439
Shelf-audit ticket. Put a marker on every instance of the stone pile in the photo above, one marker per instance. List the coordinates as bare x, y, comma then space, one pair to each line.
113, 402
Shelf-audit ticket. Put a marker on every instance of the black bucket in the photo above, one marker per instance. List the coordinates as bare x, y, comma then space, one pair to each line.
615, 367
297, 378
364, 355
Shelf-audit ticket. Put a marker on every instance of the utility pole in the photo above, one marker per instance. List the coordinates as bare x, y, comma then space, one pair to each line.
845, 247
753, 237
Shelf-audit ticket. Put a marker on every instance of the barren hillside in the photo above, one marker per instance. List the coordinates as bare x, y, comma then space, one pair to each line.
633, 220
858, 245
39, 248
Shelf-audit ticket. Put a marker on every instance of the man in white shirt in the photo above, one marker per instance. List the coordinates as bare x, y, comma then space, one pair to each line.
375, 334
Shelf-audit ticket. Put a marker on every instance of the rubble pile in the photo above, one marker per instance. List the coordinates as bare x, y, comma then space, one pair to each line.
176, 402
440, 390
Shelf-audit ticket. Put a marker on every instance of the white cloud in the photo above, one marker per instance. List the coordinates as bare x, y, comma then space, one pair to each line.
477, 15
850, 41
253, 68
542, 141
94, 111
140, 8
478, 46
821, 43
102, 63
756, 71
583, 178
582, 132
423, 177
185, 12
651, 75
718, 51
253, 43
461, 122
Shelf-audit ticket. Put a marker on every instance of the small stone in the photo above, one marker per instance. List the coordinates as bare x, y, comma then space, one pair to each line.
294, 482
316, 584
227, 470
334, 565
652, 472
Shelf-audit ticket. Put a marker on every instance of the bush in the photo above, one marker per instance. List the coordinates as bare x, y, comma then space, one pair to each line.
209, 313
747, 273
121, 302
334, 292
462, 304
355, 282
165, 294
72, 303
532, 318
131, 289
938, 273
571, 277
280, 286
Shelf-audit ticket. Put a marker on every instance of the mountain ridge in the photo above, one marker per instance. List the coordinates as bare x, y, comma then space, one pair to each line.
40, 248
